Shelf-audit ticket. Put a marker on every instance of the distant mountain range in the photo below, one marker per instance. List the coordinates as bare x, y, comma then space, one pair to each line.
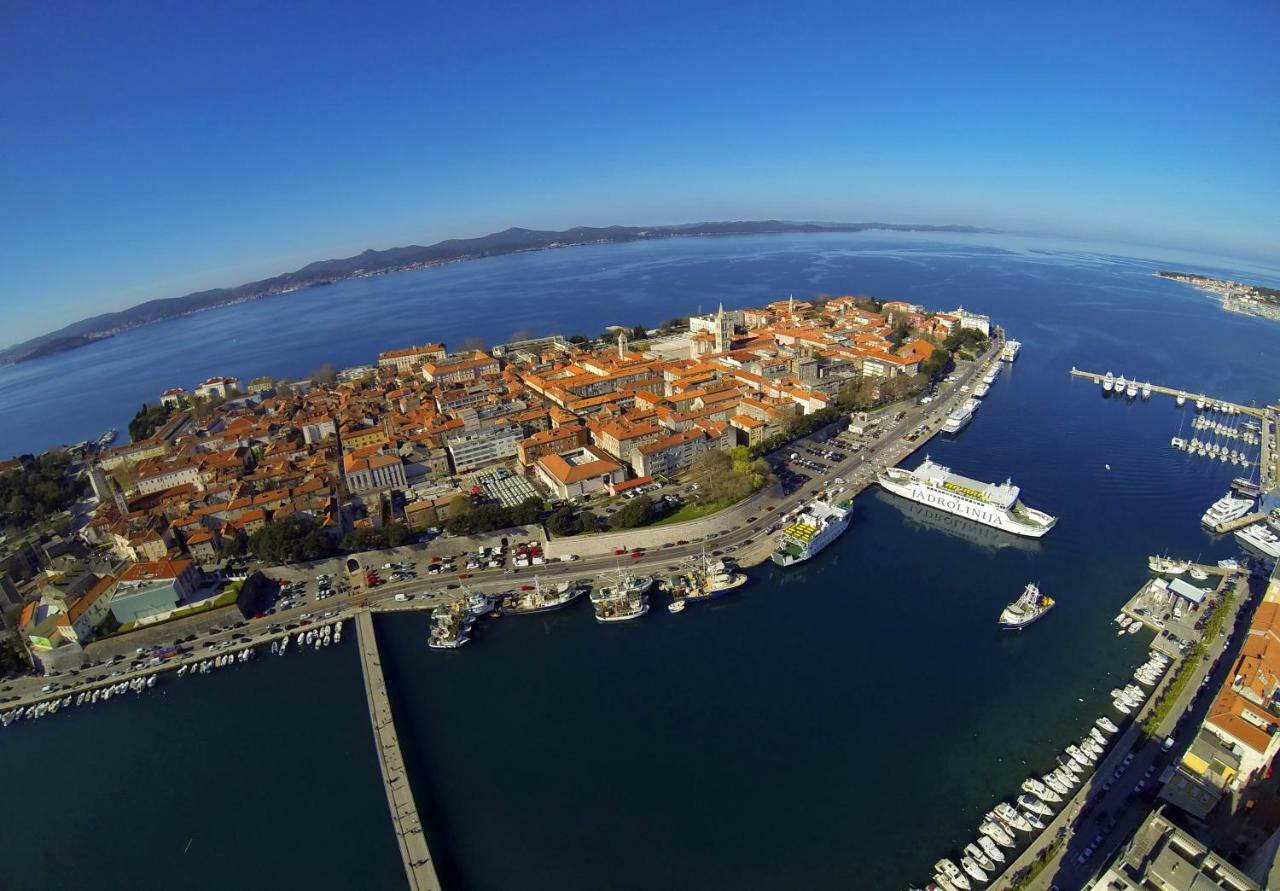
372, 262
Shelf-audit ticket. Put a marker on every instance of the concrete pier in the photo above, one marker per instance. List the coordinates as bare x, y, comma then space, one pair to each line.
418, 865
1191, 396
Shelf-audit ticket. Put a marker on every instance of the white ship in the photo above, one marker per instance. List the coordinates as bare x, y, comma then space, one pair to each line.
819, 523
958, 419
989, 503
1260, 538
1226, 509
1010, 350
981, 390
1026, 609
1108, 383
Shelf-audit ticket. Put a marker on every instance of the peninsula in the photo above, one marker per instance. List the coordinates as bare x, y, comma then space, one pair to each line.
396, 259
1252, 300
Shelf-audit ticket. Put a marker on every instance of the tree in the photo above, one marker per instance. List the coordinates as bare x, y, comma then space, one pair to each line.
396, 534
147, 421
526, 513
562, 522
938, 364
459, 506
637, 513
859, 393
901, 329
520, 334
588, 521
290, 540
579, 338
470, 344
638, 332
325, 375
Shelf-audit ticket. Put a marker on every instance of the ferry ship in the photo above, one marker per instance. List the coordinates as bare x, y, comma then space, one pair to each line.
989, 503
1026, 609
819, 523
1010, 350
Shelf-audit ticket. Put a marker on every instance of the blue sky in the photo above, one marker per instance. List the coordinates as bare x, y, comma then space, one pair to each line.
153, 149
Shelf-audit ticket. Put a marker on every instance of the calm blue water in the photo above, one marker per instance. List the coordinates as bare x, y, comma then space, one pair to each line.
840, 725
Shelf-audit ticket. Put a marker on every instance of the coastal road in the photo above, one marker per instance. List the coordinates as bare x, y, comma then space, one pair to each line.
736, 531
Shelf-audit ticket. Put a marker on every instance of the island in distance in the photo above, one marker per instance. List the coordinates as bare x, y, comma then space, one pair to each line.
396, 259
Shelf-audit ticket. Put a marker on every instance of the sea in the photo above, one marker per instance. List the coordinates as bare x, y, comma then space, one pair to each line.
841, 724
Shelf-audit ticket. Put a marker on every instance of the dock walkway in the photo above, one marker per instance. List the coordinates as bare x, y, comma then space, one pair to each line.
1251, 410
418, 865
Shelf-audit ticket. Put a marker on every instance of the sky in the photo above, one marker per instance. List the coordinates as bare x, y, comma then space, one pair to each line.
152, 149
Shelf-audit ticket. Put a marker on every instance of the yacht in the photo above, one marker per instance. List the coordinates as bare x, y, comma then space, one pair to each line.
1011, 817
958, 419
1107, 724
1056, 785
1010, 350
1200, 403
1035, 805
975, 871
1108, 383
993, 504
992, 829
1259, 537
1040, 790
1120, 385
1079, 757
1181, 399
1067, 778
1146, 390
945, 867
1131, 391
980, 857
1225, 510
981, 390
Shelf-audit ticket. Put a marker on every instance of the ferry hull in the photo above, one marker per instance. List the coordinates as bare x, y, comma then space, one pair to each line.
988, 516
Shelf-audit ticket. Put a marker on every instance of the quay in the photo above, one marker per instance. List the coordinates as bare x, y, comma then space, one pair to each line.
1079, 817
1239, 523
418, 865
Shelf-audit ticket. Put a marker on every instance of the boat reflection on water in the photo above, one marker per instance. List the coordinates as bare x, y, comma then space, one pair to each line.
977, 534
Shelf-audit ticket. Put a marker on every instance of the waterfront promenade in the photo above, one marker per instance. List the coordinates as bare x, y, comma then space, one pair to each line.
1083, 818
410, 836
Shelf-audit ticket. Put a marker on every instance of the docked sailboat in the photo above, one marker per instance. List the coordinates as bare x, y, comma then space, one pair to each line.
993, 504
1029, 607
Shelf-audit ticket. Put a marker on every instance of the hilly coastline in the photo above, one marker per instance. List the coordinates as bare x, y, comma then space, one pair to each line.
371, 262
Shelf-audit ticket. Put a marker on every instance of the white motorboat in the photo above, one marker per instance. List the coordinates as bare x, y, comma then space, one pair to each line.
1079, 757
975, 853
1107, 724
1035, 805
1011, 817
990, 848
1097, 736
1058, 787
994, 830
1108, 383
975, 871
1040, 790
945, 867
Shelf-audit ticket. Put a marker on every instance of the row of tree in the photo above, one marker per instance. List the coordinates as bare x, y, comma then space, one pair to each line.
43, 487
469, 518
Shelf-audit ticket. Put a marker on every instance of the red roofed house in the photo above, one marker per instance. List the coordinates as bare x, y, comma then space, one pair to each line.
581, 471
